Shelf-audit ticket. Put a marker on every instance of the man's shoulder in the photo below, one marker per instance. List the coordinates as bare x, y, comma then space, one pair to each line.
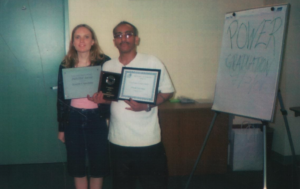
110, 62
147, 56
149, 59
112, 65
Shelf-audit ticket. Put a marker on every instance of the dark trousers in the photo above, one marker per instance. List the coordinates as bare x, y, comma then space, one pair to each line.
147, 164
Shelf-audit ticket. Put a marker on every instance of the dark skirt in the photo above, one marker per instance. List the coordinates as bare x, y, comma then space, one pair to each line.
87, 144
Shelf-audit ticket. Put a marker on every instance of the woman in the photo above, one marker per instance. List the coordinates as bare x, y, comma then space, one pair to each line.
82, 123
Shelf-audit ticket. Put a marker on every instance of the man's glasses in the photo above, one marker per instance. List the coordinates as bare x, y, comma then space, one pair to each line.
120, 35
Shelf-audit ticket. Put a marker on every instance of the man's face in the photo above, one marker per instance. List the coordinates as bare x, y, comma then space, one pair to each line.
125, 40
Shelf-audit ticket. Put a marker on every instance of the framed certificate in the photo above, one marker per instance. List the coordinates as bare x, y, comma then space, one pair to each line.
80, 82
139, 84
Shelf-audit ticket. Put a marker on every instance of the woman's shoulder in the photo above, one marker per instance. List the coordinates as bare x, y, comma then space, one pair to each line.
62, 65
102, 59
106, 58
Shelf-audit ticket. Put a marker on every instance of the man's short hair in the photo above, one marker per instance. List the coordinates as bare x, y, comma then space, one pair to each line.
135, 30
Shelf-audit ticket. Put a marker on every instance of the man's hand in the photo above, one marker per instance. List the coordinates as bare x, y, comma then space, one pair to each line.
135, 106
98, 98
61, 136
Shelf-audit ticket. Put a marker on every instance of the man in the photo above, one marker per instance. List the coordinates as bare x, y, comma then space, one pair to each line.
134, 131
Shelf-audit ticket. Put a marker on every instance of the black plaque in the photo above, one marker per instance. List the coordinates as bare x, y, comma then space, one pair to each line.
110, 84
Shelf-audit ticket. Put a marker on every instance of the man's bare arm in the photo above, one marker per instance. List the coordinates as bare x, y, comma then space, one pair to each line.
162, 97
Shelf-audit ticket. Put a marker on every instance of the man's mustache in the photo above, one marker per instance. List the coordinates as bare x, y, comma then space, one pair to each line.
124, 42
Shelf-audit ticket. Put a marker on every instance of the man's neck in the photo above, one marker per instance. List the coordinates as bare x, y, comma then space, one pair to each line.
126, 58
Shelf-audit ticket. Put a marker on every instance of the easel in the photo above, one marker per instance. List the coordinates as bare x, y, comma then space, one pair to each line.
295, 182
265, 123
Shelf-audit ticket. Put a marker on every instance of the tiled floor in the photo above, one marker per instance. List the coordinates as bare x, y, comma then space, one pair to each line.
54, 176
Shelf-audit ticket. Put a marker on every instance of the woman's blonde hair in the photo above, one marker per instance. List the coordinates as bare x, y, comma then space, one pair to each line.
71, 58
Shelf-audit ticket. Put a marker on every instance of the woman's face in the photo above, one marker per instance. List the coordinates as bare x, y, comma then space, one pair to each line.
82, 40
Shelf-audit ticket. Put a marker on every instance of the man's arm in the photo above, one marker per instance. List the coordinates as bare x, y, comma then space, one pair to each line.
162, 97
135, 106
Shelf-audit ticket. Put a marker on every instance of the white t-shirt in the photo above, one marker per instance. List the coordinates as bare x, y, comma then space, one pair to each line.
129, 128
